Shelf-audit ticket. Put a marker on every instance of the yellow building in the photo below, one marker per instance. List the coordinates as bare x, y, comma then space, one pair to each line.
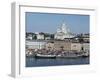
76, 47
49, 46
62, 45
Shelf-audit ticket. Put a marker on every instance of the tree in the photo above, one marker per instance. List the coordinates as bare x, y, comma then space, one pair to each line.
35, 37
52, 36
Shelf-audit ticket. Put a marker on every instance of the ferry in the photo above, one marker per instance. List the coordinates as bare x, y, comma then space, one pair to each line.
45, 56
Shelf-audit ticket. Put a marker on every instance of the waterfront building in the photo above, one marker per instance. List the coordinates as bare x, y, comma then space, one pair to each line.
40, 36
47, 38
63, 32
86, 38
49, 46
62, 45
29, 37
35, 44
76, 46
86, 47
57, 45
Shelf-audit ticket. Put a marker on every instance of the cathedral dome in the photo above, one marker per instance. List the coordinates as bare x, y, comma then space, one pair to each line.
63, 32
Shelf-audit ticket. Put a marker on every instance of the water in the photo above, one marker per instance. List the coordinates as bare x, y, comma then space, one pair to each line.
33, 62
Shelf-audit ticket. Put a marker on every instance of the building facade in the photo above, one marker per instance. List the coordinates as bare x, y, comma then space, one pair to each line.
76, 46
35, 44
49, 46
80, 46
40, 36
62, 45
86, 47
57, 45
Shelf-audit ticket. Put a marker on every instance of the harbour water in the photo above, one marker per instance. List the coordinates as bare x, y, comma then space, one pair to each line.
33, 62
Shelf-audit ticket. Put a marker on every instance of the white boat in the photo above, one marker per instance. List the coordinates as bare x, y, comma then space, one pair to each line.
45, 56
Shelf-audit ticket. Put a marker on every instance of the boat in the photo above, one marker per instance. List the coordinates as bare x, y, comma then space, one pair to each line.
67, 56
44, 56
85, 54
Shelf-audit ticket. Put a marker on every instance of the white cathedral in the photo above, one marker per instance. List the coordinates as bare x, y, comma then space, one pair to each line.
63, 32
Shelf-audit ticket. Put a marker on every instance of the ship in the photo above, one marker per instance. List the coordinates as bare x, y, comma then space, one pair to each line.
45, 56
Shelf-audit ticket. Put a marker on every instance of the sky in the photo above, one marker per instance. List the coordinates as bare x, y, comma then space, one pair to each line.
49, 22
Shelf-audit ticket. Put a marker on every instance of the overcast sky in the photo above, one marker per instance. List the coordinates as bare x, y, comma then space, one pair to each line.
47, 22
